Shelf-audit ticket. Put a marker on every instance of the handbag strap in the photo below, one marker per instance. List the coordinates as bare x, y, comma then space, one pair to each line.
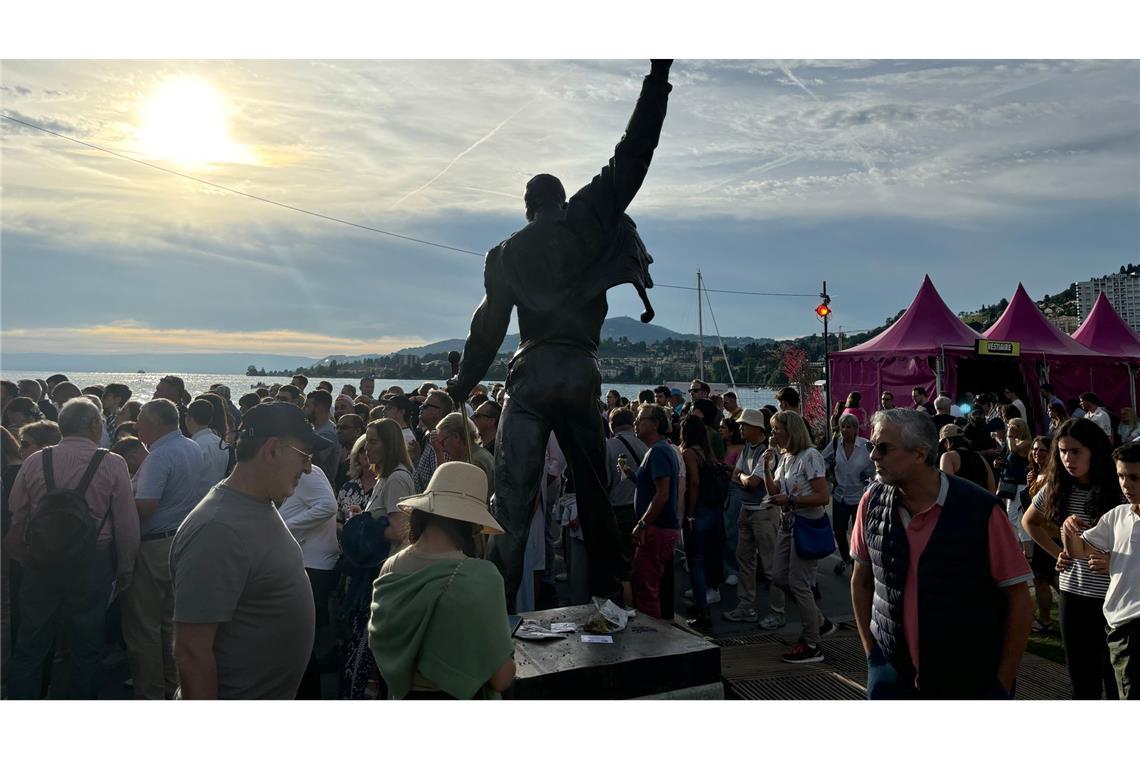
627, 445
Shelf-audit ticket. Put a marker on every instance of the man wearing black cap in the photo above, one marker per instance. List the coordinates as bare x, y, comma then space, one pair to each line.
243, 608
556, 270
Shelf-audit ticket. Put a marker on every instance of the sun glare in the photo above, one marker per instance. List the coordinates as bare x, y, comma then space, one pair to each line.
186, 121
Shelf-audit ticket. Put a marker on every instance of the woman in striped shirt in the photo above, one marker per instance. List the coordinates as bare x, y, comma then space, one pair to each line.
1080, 480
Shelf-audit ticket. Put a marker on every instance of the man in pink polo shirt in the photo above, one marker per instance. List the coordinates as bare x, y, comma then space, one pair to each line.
939, 588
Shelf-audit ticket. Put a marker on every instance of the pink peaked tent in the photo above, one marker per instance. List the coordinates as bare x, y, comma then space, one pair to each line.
1105, 332
906, 354
1069, 365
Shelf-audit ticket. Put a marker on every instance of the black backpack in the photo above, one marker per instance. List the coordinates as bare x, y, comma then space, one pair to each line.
61, 534
715, 480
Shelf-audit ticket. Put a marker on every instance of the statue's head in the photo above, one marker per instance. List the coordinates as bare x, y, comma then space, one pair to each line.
544, 191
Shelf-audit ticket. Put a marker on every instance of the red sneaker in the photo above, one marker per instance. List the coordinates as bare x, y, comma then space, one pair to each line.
801, 652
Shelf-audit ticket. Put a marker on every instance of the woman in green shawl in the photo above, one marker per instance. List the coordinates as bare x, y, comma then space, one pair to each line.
439, 625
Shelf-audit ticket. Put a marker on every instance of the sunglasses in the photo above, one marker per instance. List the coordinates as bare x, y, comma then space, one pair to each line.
431, 406
883, 448
307, 457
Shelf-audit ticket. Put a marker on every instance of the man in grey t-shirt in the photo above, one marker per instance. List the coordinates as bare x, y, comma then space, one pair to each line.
243, 607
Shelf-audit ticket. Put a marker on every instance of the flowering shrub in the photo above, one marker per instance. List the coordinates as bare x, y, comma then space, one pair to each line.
794, 365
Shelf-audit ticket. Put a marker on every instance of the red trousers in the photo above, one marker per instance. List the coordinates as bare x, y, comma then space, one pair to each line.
649, 563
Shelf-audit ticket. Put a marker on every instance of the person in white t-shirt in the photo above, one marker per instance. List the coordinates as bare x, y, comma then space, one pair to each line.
389, 459
310, 515
1095, 412
1012, 397
1114, 544
798, 486
215, 459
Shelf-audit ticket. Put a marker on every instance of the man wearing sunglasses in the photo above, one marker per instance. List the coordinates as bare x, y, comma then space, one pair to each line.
244, 615
939, 586
435, 407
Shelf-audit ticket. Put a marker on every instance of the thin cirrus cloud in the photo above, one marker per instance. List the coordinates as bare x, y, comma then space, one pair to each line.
786, 155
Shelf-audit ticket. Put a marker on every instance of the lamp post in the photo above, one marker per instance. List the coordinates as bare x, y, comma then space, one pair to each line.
823, 311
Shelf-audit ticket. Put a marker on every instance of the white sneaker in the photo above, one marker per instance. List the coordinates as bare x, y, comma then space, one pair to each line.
773, 621
712, 596
732, 580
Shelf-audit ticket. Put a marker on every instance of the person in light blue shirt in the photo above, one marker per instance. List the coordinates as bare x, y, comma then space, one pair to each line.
170, 483
850, 456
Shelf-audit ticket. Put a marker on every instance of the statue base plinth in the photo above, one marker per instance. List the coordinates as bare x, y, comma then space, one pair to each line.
650, 658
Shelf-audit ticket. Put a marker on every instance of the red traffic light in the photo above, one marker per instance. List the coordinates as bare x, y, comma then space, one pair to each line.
823, 310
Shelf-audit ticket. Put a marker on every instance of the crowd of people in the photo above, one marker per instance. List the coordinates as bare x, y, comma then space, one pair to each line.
351, 526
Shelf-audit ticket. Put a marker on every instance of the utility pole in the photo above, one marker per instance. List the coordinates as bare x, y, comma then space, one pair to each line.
700, 331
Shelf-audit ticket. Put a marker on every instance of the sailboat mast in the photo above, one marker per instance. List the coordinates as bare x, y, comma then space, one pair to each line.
700, 331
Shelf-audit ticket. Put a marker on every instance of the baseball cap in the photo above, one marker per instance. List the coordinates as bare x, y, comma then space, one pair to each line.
397, 400
279, 418
949, 431
676, 392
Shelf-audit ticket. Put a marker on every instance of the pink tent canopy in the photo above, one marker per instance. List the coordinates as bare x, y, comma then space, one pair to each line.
905, 354
1022, 321
1103, 330
927, 325
1072, 368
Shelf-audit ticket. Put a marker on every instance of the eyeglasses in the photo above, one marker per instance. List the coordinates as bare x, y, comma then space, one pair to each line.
883, 448
308, 457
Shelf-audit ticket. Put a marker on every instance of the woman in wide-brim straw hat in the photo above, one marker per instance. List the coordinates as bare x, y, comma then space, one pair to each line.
439, 625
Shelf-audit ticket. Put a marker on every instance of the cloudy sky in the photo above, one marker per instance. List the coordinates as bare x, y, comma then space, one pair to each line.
770, 177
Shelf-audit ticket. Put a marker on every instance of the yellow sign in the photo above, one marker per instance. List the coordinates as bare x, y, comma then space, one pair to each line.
997, 348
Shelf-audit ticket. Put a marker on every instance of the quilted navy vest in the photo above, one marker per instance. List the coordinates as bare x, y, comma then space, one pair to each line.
960, 609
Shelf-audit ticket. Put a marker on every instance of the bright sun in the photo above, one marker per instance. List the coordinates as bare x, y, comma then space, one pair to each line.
185, 121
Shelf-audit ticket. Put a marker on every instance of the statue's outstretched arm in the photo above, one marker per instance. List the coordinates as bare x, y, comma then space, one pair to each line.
488, 328
601, 203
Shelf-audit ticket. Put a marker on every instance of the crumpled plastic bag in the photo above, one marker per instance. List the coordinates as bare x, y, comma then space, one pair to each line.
532, 630
607, 617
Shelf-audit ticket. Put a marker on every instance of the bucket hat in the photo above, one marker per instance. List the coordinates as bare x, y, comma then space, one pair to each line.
457, 490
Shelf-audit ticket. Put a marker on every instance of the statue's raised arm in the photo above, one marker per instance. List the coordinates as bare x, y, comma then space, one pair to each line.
598, 207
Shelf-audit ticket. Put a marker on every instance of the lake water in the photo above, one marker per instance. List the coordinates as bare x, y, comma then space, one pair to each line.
143, 385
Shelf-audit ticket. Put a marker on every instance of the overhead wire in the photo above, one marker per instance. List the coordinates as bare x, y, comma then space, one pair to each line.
337, 220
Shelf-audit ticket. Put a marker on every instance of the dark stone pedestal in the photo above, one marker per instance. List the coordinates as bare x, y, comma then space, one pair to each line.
650, 658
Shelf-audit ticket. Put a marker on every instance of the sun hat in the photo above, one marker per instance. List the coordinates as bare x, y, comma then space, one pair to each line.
457, 490
753, 417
